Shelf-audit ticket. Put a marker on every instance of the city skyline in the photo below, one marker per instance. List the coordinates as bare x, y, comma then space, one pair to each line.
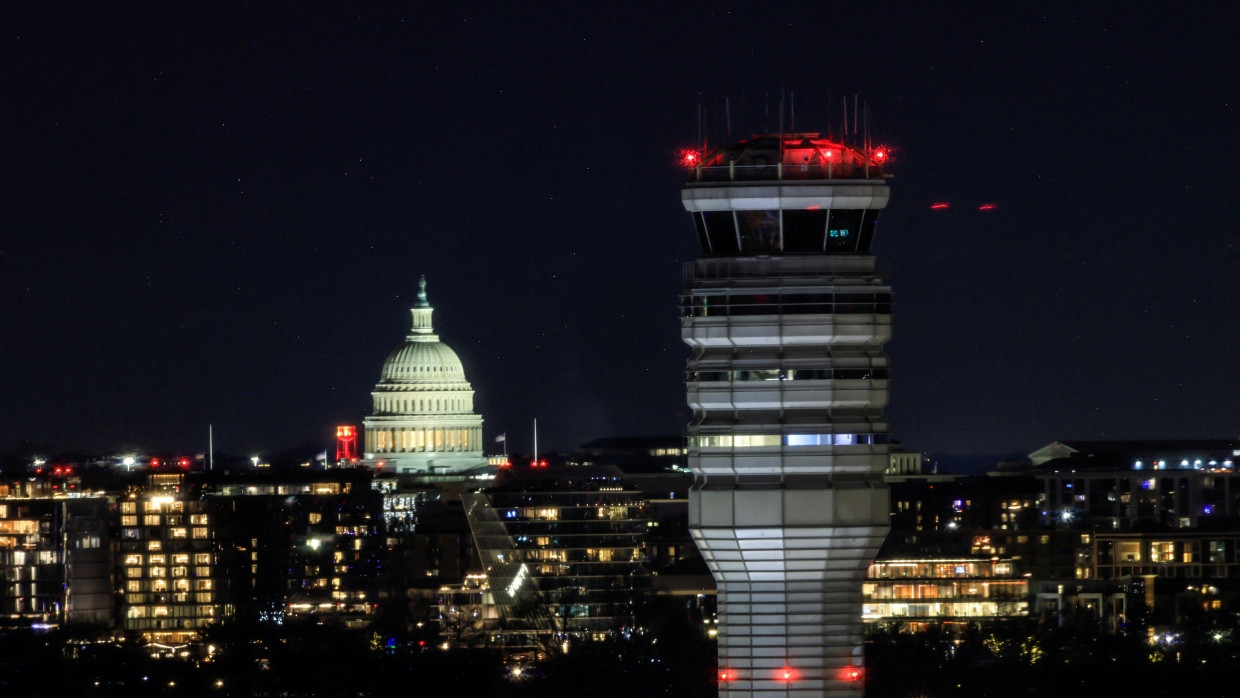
220, 218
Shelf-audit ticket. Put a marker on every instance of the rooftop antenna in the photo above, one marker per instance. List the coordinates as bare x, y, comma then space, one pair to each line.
781, 110
793, 106
866, 113
845, 138
830, 131
210, 447
766, 113
699, 136
855, 114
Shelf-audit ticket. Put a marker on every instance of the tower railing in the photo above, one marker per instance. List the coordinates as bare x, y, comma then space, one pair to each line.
777, 266
732, 172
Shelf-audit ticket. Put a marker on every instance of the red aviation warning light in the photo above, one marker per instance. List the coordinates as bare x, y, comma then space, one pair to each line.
346, 444
941, 205
690, 158
880, 154
727, 675
787, 675
986, 207
851, 673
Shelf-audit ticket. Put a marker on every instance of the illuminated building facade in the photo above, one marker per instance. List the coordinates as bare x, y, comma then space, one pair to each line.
786, 313
923, 593
309, 547
55, 561
172, 582
562, 554
423, 419
1129, 485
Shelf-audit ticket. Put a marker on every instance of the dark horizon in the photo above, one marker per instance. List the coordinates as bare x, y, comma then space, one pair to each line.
218, 216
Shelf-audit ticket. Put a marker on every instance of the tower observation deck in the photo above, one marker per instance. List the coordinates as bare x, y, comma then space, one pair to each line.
787, 313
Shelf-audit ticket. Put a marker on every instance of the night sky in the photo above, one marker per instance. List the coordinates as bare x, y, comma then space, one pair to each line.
217, 214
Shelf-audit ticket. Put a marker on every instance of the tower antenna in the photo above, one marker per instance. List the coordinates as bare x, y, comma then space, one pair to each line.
781, 110
854, 114
866, 128
792, 105
830, 132
699, 136
845, 138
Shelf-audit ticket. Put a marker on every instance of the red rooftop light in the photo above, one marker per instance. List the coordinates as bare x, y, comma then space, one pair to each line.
851, 673
690, 157
940, 205
986, 207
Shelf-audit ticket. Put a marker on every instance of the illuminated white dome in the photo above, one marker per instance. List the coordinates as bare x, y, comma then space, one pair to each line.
421, 360
423, 419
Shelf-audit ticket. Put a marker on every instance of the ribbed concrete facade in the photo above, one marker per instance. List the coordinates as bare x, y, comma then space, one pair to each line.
786, 315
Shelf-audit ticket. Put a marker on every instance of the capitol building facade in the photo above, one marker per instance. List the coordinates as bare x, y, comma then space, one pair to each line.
423, 420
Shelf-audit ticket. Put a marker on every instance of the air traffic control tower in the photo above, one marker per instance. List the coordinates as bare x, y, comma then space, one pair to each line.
786, 313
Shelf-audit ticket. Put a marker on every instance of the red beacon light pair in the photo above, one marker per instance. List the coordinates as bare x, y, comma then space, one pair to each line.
944, 205
788, 674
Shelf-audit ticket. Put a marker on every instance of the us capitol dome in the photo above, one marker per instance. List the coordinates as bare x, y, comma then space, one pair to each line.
423, 419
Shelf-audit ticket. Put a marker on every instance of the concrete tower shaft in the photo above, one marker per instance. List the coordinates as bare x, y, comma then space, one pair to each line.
786, 314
